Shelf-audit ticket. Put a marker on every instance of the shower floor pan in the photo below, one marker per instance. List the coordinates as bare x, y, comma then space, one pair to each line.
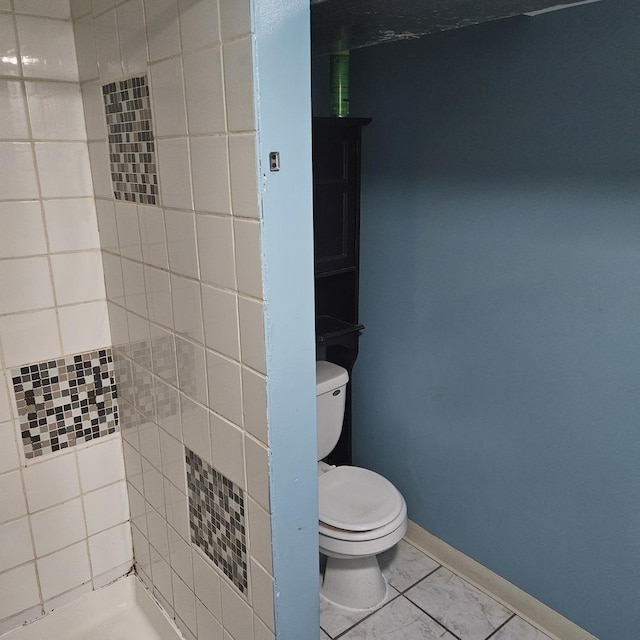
123, 610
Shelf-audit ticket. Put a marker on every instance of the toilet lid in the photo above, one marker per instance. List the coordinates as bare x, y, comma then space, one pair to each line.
357, 499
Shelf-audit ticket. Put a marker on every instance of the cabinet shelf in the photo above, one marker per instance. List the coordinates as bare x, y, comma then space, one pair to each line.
328, 327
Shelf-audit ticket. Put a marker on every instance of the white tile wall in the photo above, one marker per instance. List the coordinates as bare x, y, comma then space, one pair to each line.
52, 303
185, 281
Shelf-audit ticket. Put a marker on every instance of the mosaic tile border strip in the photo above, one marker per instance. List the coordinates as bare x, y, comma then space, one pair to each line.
132, 154
217, 519
66, 401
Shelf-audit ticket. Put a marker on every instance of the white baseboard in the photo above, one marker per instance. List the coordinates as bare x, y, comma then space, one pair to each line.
533, 611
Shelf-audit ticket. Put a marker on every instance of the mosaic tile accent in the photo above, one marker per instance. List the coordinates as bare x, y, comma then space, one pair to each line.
216, 518
132, 153
66, 401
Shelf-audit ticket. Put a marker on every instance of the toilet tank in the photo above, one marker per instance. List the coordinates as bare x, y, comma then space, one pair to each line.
331, 386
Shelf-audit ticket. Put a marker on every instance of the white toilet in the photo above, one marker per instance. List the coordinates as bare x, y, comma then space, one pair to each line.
361, 514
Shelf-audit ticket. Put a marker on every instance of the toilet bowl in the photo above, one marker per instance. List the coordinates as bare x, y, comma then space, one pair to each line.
361, 514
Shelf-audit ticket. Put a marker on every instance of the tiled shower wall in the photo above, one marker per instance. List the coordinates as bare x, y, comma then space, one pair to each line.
184, 289
63, 512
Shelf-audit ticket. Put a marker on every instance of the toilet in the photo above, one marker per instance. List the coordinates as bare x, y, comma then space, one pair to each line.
361, 514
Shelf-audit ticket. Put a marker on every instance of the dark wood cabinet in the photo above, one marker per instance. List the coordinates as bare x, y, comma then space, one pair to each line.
336, 226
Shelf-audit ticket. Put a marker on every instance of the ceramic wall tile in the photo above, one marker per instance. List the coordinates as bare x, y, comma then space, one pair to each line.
47, 49
67, 520
48, 8
78, 277
51, 482
235, 19
19, 181
184, 602
9, 47
100, 173
158, 296
254, 396
175, 173
205, 100
106, 507
236, 614
192, 370
55, 110
13, 104
167, 84
30, 337
22, 230
80, 8
187, 308
107, 46
9, 457
101, 464
16, 548
248, 257
71, 224
210, 171
244, 172
111, 548
20, 590
207, 585
163, 33
225, 387
92, 101
262, 594
227, 449
152, 236
221, 324
131, 33
84, 327
238, 84
257, 464
163, 352
199, 24
24, 285
260, 534
128, 230
215, 250
195, 428
12, 502
64, 570
64, 169
86, 51
252, 333
134, 290
181, 243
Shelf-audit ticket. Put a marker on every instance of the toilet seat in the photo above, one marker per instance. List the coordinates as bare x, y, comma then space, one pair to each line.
358, 504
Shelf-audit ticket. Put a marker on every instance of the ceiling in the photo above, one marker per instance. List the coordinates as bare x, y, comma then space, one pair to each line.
338, 25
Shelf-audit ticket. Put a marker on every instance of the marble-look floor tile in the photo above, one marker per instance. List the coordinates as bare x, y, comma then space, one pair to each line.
323, 635
403, 565
400, 620
518, 629
334, 619
458, 606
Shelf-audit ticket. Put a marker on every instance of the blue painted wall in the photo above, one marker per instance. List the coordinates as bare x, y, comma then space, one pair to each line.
499, 379
282, 86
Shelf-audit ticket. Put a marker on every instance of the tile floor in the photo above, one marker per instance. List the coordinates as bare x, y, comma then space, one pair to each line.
425, 602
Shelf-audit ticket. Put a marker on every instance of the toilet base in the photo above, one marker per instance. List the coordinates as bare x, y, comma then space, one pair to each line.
354, 583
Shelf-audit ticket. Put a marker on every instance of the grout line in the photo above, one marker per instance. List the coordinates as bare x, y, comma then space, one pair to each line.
504, 624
